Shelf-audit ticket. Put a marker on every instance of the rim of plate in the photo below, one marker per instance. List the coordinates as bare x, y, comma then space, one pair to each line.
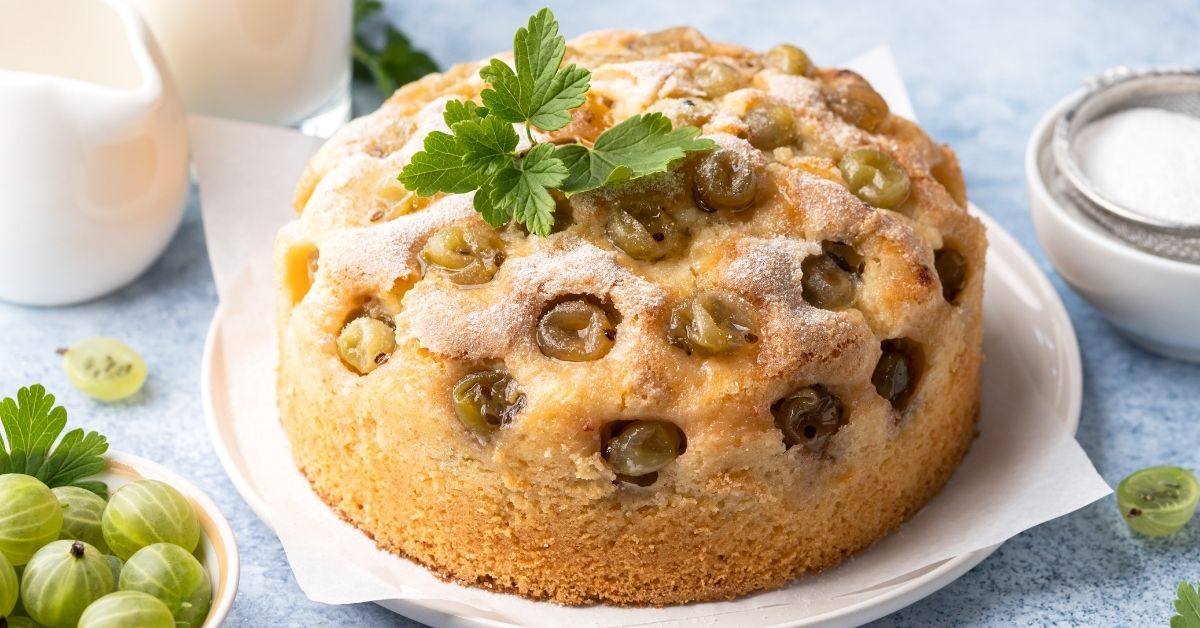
1067, 400
213, 525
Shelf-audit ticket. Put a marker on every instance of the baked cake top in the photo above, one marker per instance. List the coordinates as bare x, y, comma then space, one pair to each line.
818, 248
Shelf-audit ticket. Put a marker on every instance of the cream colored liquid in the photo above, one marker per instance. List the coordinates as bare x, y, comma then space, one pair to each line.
76, 39
269, 61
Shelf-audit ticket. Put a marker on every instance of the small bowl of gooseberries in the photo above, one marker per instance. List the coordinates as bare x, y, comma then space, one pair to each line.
102, 539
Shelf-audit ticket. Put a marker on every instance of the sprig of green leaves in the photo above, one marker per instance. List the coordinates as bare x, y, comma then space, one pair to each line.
32, 424
390, 60
480, 153
1187, 606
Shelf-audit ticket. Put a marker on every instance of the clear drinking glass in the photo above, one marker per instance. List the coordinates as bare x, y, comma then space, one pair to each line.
281, 62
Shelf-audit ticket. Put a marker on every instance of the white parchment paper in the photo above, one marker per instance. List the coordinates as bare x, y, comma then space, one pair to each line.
1024, 469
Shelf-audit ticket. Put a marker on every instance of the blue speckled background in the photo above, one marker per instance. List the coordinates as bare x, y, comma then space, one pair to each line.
980, 74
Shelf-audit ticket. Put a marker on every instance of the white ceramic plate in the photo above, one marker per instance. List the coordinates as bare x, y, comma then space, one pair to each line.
218, 549
1022, 310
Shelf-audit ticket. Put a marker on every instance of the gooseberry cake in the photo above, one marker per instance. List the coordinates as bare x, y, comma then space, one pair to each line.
701, 384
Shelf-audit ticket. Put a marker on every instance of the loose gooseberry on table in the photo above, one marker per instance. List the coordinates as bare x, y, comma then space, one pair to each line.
1158, 501
105, 368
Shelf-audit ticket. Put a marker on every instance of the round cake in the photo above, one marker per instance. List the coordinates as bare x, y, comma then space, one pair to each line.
701, 384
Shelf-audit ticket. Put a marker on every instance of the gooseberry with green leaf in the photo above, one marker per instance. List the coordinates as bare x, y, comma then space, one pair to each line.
81, 510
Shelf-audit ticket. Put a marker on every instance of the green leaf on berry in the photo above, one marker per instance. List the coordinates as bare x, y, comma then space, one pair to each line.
642, 145
32, 424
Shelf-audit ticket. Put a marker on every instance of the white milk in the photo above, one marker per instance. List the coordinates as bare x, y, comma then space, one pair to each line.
270, 61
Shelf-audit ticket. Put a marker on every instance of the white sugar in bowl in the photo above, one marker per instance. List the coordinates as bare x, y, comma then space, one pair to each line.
93, 150
1141, 272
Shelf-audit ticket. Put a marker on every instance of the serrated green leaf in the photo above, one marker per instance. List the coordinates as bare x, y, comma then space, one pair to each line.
641, 145
538, 49
1187, 605
503, 97
439, 168
495, 215
78, 455
32, 424
553, 102
538, 92
488, 144
461, 111
524, 188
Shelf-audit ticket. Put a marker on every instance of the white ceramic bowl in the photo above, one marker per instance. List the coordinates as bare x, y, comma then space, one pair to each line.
218, 549
1154, 301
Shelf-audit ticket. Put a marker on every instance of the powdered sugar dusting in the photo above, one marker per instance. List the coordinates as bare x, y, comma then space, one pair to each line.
631, 85
429, 119
373, 258
769, 269
487, 322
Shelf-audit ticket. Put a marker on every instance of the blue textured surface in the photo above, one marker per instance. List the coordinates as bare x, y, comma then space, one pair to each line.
979, 74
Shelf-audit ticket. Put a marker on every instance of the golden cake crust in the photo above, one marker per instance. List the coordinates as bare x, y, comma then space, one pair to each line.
535, 509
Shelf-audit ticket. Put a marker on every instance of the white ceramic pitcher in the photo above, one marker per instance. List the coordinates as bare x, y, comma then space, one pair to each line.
93, 150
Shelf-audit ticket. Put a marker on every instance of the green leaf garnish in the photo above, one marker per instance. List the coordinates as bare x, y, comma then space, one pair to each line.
480, 154
388, 63
1187, 607
32, 424
642, 145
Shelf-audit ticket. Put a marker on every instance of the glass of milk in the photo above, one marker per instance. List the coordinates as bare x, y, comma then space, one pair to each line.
280, 62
